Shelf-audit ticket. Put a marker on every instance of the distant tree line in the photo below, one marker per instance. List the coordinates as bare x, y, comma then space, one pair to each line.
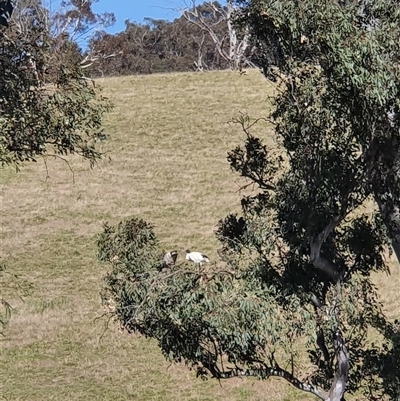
204, 37
155, 46
201, 39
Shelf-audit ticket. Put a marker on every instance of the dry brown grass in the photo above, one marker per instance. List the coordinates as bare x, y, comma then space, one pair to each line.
166, 162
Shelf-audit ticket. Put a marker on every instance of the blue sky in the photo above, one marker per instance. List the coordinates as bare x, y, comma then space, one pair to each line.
137, 10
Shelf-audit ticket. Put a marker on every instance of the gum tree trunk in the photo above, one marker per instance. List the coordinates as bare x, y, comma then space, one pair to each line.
338, 387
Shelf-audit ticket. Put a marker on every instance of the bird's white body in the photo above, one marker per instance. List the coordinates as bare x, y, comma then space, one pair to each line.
196, 257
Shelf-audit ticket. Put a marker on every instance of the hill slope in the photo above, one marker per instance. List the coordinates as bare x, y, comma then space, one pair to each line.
166, 162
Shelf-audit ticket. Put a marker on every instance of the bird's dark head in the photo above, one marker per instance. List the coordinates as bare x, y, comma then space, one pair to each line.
173, 253
187, 251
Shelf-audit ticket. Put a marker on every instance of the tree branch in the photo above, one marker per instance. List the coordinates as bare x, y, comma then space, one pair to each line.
317, 259
322, 346
339, 383
267, 372
237, 46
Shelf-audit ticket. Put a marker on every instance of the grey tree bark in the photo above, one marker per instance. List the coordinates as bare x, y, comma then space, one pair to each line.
235, 54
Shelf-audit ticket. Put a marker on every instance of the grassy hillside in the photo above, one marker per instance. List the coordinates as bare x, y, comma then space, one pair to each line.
166, 162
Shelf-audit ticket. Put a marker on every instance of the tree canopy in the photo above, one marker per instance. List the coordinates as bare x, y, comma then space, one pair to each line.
294, 297
341, 69
47, 105
202, 38
48, 108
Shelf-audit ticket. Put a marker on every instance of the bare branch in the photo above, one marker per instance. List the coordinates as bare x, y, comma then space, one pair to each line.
235, 54
269, 372
199, 63
92, 58
55, 156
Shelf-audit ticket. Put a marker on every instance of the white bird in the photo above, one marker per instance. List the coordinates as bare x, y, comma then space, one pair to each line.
196, 257
169, 258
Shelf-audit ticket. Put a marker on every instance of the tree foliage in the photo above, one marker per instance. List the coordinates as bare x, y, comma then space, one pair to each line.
198, 40
47, 106
341, 71
294, 298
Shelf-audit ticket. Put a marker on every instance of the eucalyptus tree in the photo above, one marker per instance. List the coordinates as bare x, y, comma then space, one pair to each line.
231, 43
47, 106
352, 48
294, 297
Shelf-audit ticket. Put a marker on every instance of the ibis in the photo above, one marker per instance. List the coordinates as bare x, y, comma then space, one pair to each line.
196, 257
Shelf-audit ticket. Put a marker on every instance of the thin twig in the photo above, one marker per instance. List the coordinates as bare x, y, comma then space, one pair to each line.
64, 160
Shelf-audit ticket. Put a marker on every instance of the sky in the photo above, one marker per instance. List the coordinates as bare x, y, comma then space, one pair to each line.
137, 10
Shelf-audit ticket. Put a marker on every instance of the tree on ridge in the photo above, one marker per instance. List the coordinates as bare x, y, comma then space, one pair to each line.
295, 298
